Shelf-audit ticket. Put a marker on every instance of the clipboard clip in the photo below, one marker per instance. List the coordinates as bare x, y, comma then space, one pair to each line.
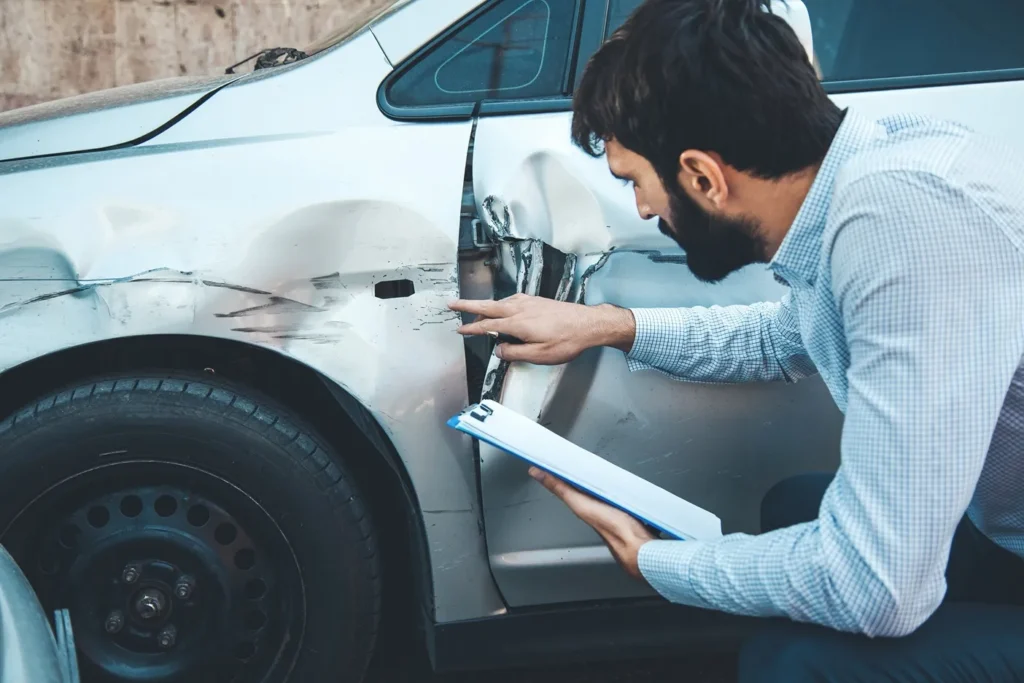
481, 412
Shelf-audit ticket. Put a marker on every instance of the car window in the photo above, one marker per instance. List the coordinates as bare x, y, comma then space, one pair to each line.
517, 49
618, 12
872, 39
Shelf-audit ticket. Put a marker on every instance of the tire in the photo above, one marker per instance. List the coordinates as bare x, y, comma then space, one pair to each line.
195, 531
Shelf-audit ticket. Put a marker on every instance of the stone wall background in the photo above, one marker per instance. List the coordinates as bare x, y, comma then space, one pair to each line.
56, 48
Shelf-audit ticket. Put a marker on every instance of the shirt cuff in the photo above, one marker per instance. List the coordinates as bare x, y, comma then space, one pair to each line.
649, 341
667, 566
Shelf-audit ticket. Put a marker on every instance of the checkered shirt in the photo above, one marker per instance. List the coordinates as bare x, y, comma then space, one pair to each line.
905, 275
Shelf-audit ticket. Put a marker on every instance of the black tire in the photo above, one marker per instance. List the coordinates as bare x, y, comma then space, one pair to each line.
179, 440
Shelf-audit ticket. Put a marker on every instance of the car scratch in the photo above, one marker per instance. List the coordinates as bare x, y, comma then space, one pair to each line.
237, 288
278, 305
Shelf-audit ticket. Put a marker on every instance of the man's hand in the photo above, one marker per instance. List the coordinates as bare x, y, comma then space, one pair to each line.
622, 533
552, 332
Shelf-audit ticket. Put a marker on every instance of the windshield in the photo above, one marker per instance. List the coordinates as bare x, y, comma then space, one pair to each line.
359, 18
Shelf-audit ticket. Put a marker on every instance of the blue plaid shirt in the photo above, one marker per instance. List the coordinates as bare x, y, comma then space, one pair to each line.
905, 269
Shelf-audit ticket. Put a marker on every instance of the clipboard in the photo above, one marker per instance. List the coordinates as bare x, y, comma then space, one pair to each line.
503, 428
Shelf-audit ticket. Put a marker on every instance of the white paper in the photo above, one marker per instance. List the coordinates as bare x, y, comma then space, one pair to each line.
508, 430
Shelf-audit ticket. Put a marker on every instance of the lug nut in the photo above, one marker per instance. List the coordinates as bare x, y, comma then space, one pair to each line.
183, 589
130, 573
114, 622
150, 604
167, 637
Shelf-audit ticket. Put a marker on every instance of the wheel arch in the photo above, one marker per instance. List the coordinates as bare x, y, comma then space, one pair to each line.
332, 411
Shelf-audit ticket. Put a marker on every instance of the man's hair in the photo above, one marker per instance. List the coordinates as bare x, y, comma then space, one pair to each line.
725, 76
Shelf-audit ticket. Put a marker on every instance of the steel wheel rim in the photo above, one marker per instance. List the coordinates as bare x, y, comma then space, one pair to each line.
169, 571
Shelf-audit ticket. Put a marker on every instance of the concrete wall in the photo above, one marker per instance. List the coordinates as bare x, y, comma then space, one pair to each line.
55, 48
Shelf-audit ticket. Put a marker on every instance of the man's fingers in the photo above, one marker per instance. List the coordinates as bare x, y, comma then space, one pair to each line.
482, 326
569, 494
485, 307
515, 353
553, 484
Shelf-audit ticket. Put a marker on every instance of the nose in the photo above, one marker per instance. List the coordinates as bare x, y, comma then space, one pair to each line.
644, 211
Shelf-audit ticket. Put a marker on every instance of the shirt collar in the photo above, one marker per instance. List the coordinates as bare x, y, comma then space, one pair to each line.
798, 255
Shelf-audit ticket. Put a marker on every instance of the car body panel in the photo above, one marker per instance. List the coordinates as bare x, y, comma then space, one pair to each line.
269, 219
719, 447
268, 216
101, 119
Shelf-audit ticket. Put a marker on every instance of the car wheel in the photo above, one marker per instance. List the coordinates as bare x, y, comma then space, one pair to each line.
195, 532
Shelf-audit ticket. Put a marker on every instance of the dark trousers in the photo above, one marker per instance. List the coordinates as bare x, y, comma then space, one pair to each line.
976, 635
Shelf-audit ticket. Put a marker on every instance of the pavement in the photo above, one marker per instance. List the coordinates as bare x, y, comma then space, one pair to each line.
411, 666
661, 671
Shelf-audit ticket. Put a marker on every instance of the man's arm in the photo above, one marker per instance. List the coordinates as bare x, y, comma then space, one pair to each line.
760, 342
756, 343
933, 307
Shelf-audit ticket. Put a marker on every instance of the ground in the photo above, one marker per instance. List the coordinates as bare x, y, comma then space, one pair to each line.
391, 666
661, 671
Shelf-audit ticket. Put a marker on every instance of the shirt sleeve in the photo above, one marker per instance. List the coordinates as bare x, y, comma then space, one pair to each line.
931, 295
756, 343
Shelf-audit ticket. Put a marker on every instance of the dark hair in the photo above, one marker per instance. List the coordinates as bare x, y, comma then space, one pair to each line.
726, 76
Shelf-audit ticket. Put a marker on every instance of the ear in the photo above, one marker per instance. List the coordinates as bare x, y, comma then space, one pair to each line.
701, 174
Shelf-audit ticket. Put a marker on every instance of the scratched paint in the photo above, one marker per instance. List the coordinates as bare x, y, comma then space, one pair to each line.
273, 230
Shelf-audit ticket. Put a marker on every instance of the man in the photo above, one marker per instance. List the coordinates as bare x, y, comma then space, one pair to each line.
902, 244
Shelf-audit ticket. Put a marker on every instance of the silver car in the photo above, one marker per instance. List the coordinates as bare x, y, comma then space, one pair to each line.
227, 362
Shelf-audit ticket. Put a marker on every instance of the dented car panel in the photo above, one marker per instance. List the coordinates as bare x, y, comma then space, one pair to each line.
276, 226
283, 210
721, 447
693, 440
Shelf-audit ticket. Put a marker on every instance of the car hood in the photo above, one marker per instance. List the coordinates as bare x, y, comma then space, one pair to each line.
103, 119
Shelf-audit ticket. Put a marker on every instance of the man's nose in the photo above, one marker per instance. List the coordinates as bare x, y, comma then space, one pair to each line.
644, 211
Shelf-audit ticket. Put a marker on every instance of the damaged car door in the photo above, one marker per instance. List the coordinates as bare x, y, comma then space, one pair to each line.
569, 230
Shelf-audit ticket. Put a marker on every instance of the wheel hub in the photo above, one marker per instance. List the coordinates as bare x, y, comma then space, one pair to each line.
163, 582
150, 604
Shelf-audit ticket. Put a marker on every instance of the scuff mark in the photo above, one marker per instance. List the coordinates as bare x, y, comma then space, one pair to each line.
445, 511
44, 297
568, 278
664, 456
494, 379
311, 337
90, 285
500, 225
332, 281
169, 280
626, 419
446, 317
581, 292
265, 329
278, 305
237, 288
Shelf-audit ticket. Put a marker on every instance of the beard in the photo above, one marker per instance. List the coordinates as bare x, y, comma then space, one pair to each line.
715, 246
